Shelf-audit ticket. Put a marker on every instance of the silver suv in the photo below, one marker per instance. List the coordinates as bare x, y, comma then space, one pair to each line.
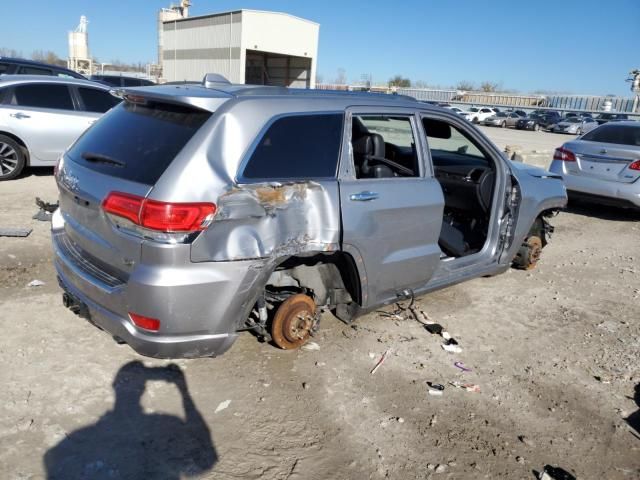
191, 213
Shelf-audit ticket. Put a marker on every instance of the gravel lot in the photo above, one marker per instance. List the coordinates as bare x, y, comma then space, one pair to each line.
555, 351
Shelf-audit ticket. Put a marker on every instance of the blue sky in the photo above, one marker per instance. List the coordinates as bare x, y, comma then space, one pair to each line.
584, 47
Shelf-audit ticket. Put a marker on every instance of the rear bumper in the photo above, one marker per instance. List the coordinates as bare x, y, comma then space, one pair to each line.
622, 194
200, 306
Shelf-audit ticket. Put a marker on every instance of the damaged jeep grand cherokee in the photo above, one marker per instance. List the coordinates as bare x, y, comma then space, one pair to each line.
191, 213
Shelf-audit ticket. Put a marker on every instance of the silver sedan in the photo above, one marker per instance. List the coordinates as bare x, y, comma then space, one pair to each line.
603, 164
574, 125
40, 116
502, 119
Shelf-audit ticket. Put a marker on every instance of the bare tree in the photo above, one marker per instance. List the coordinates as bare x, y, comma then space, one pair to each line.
399, 81
488, 86
48, 57
10, 52
341, 79
465, 85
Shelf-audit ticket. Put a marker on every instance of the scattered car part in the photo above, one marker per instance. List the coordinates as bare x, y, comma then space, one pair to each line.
380, 362
15, 232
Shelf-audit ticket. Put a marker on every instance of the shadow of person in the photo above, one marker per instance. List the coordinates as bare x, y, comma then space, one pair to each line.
126, 443
634, 419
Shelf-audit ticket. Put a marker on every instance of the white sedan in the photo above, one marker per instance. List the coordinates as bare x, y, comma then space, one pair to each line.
574, 125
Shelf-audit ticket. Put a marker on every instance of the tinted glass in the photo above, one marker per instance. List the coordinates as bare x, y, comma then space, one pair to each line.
115, 81
144, 139
301, 146
4, 68
97, 100
42, 95
501, 115
34, 71
131, 82
612, 133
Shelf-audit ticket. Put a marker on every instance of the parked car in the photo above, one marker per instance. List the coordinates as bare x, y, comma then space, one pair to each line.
603, 165
20, 66
533, 121
463, 113
186, 214
478, 114
611, 117
121, 81
41, 116
520, 113
502, 119
574, 125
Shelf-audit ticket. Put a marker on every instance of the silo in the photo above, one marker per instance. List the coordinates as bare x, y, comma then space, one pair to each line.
79, 41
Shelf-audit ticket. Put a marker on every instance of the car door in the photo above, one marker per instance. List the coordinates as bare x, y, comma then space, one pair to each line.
391, 216
512, 120
43, 115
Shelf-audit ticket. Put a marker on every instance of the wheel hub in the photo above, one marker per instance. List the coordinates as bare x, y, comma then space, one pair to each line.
294, 321
8, 159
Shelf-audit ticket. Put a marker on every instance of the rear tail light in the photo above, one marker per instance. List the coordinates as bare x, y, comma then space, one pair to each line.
160, 216
635, 165
564, 155
148, 323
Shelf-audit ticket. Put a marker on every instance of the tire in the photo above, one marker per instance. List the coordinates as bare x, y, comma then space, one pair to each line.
529, 254
504, 125
475, 120
579, 131
12, 158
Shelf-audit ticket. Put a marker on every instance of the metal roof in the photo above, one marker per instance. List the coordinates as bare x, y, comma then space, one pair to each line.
217, 14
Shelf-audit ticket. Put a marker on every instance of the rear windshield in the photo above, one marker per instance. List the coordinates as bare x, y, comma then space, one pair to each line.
618, 134
137, 142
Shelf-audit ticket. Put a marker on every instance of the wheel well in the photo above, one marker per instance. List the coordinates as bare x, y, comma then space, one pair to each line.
20, 142
332, 277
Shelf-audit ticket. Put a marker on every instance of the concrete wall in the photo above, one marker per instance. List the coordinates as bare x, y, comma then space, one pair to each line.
196, 46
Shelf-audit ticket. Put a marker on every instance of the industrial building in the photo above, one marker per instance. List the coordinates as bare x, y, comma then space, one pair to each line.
246, 46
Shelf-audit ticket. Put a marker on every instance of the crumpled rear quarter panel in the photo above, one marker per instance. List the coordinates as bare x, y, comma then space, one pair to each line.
272, 221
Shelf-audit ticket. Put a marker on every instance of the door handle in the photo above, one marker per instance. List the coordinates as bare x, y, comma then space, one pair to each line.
19, 115
363, 196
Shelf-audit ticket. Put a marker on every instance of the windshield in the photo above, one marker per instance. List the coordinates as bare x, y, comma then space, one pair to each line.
573, 120
501, 114
474, 109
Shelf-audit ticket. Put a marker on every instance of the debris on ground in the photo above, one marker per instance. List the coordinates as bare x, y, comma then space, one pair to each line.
15, 232
450, 347
380, 362
555, 473
436, 386
45, 210
461, 366
35, 283
310, 347
469, 387
222, 406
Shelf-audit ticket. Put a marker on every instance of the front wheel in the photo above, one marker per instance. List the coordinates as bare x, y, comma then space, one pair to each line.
504, 125
12, 158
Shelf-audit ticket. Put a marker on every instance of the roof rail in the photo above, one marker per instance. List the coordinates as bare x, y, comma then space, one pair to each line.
211, 80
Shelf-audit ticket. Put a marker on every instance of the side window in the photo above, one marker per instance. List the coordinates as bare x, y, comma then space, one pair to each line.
451, 146
384, 146
34, 71
95, 100
131, 82
297, 146
4, 68
42, 95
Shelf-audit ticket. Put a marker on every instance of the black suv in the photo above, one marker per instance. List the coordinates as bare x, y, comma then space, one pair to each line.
121, 81
20, 66
611, 117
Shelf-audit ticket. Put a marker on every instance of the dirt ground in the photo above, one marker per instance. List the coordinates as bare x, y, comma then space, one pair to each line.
555, 351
